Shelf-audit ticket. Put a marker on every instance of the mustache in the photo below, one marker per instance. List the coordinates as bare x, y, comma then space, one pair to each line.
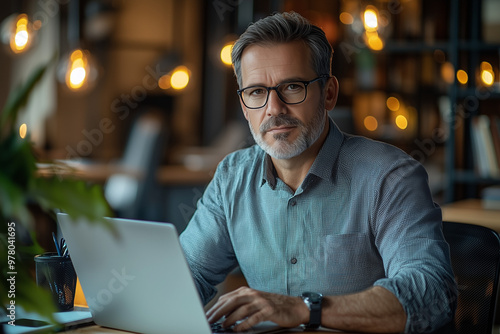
279, 120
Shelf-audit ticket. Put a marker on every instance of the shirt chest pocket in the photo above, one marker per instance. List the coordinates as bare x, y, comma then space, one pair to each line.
351, 262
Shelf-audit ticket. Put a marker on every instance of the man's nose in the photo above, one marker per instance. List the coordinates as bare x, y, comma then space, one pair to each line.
274, 104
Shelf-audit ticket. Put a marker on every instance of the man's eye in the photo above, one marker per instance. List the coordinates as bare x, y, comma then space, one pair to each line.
293, 87
257, 91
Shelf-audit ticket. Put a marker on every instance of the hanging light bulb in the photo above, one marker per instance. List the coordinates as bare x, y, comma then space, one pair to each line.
18, 32
486, 73
78, 71
20, 37
371, 24
370, 18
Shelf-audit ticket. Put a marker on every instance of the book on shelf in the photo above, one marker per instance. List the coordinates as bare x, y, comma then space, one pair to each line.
495, 134
491, 197
484, 144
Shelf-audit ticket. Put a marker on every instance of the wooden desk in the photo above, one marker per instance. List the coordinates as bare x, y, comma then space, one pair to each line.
100, 172
471, 211
102, 330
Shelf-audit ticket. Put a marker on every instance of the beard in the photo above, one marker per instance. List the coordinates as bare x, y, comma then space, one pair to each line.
282, 148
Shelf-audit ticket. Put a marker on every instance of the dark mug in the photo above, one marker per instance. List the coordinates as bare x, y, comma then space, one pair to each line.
56, 274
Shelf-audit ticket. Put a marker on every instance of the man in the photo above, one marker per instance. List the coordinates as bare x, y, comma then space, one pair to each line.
328, 229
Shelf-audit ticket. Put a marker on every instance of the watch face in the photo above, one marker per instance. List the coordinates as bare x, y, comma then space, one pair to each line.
313, 297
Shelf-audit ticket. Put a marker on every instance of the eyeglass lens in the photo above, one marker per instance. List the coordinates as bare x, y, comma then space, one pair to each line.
289, 92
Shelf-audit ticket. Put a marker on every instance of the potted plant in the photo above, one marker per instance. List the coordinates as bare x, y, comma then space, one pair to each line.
21, 187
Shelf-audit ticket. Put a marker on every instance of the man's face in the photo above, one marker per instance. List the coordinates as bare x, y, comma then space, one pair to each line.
283, 131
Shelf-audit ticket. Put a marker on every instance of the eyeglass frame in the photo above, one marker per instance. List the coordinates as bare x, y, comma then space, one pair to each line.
275, 88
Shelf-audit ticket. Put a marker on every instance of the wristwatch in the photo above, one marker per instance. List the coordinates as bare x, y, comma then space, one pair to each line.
313, 301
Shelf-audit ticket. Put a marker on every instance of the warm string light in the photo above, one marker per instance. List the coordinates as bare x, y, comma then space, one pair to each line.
462, 77
225, 54
401, 122
487, 74
77, 73
448, 72
177, 79
23, 130
180, 78
370, 19
400, 115
370, 123
374, 41
371, 24
393, 103
399, 111
22, 34
346, 18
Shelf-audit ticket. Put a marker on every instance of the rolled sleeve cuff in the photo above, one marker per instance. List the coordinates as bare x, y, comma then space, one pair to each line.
429, 305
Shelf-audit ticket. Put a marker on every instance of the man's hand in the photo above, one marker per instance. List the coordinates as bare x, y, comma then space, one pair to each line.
252, 307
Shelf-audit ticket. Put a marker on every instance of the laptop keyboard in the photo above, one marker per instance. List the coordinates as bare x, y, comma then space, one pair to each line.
217, 328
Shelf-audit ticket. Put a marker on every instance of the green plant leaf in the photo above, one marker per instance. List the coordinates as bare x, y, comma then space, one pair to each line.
21, 186
18, 98
13, 202
17, 161
75, 197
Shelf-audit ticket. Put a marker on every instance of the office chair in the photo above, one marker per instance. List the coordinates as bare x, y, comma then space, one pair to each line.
475, 258
128, 194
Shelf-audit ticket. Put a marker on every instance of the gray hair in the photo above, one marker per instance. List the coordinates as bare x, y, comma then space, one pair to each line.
284, 28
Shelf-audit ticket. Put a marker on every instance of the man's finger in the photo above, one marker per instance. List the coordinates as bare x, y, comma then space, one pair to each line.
242, 313
249, 322
226, 305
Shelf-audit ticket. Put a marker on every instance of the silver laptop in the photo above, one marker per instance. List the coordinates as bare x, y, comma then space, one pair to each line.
135, 277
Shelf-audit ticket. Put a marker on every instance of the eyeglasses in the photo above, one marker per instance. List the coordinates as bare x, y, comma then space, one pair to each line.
291, 92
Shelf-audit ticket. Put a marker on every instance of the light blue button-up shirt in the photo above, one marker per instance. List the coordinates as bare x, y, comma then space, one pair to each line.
363, 216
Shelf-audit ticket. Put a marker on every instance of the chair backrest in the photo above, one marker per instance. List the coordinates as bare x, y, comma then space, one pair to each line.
475, 258
127, 193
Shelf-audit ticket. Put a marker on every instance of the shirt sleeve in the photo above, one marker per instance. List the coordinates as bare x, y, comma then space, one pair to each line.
206, 241
407, 226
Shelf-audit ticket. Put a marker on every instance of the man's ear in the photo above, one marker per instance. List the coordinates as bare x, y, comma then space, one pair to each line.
331, 93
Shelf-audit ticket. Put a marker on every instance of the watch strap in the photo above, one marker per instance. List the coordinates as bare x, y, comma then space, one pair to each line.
313, 301
314, 316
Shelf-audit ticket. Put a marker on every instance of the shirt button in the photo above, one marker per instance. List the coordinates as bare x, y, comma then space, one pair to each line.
293, 202
293, 260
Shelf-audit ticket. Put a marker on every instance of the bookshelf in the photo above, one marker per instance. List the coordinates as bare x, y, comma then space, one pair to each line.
471, 151
422, 40
407, 68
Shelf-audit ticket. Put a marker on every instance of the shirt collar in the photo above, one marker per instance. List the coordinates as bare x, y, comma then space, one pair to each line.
327, 156
268, 171
322, 164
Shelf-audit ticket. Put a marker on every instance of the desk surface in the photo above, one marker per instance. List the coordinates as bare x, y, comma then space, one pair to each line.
100, 172
102, 330
472, 211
